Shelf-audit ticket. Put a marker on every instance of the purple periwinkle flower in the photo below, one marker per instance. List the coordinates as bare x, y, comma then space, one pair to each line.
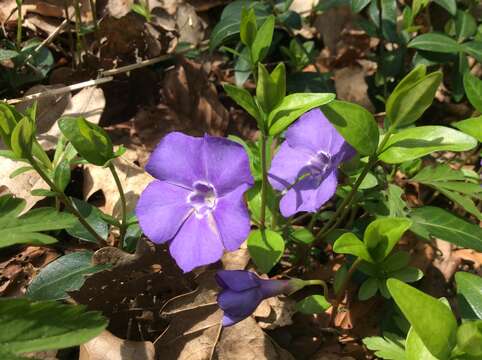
305, 166
242, 292
196, 202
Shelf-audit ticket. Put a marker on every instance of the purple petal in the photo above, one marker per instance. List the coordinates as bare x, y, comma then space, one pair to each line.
270, 288
232, 218
307, 195
237, 280
161, 210
197, 243
178, 159
227, 164
314, 132
239, 304
231, 320
287, 166
346, 153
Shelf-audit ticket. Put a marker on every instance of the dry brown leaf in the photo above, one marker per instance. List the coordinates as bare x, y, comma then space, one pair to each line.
118, 8
469, 255
303, 6
109, 347
133, 179
446, 262
281, 311
246, 341
189, 25
21, 185
351, 86
236, 260
331, 23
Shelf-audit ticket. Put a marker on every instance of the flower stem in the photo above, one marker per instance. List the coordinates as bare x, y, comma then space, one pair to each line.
19, 25
318, 282
344, 285
123, 225
264, 182
66, 201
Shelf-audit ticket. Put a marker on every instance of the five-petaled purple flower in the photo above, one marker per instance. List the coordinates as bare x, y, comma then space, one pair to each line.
305, 166
196, 202
242, 292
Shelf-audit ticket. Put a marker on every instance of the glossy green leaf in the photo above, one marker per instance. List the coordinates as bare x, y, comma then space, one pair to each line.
26, 228
292, 107
415, 348
230, 21
271, 88
244, 99
464, 201
93, 216
413, 143
62, 174
313, 304
438, 173
64, 274
303, 236
430, 221
407, 104
469, 286
409, 274
381, 235
263, 39
266, 248
8, 121
349, 243
389, 20
359, 5
414, 76
389, 347
472, 126
90, 140
473, 90
254, 202
37, 326
465, 25
368, 289
20, 171
449, 5
248, 26
473, 48
395, 261
356, 124
436, 42
22, 138
469, 338
428, 317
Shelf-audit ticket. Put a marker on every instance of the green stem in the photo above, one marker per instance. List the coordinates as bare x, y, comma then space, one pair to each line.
318, 282
264, 182
123, 225
344, 285
94, 13
19, 25
66, 201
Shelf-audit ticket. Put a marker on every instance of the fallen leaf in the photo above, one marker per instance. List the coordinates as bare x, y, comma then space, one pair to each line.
118, 8
281, 311
351, 86
246, 341
189, 25
133, 178
109, 347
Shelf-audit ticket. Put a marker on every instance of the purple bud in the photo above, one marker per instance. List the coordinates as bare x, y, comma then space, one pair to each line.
242, 292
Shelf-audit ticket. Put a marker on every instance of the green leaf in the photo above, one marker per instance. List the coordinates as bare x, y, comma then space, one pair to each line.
465, 25
22, 138
37, 326
349, 243
93, 216
230, 23
472, 126
25, 229
436, 42
244, 99
429, 221
473, 90
409, 274
395, 261
383, 234
389, 20
254, 202
263, 39
432, 320
413, 143
368, 289
66, 273
359, 5
248, 27
20, 171
43, 192
62, 174
414, 76
438, 173
271, 89
266, 248
465, 202
313, 304
292, 107
8, 121
356, 124
449, 5
407, 104
303, 236
469, 338
389, 347
469, 286
90, 140
473, 48
415, 348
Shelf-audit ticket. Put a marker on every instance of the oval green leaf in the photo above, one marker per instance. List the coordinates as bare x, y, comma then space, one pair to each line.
436, 42
313, 304
266, 248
